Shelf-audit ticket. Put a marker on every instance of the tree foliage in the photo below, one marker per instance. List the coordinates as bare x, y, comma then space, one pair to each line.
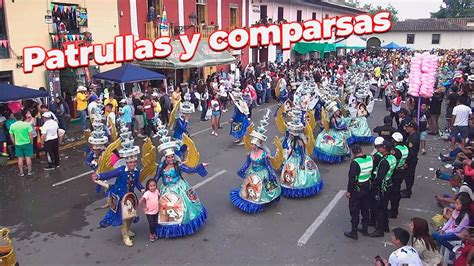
375, 9
455, 9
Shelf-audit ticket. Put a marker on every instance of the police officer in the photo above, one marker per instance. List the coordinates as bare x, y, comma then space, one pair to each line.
386, 130
381, 186
400, 151
358, 190
376, 157
413, 144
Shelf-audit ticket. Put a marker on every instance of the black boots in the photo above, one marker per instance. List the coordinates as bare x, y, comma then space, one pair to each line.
377, 233
405, 194
363, 231
351, 234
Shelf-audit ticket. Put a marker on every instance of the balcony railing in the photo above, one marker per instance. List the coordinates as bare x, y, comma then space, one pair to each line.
153, 30
205, 30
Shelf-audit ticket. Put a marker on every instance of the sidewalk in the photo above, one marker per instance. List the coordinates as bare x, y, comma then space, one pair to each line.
74, 137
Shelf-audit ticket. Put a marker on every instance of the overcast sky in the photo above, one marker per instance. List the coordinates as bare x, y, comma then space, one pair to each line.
409, 9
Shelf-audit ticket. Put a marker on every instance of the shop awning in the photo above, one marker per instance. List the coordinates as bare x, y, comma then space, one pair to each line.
129, 73
204, 57
309, 47
9, 93
352, 42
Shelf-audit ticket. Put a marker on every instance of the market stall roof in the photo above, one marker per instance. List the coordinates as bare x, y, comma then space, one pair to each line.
352, 42
129, 73
204, 57
10, 93
392, 45
308, 47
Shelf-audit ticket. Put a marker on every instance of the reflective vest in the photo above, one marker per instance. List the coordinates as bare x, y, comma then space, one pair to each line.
379, 155
404, 151
387, 180
366, 165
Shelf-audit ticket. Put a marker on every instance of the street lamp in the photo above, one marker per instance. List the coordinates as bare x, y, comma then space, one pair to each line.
181, 29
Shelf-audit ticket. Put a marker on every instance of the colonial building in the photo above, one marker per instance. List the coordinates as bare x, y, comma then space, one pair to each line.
155, 18
276, 11
50, 25
426, 34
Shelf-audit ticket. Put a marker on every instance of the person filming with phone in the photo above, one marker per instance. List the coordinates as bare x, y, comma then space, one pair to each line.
404, 255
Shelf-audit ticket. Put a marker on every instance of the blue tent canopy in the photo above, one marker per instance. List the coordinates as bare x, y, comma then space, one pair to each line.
392, 45
9, 93
128, 74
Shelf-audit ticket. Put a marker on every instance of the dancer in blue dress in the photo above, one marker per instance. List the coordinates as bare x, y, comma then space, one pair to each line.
260, 187
181, 212
179, 120
331, 143
300, 176
358, 125
123, 201
240, 121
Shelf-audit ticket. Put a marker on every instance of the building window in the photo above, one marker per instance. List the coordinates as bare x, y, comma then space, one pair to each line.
157, 9
326, 16
435, 38
410, 38
314, 15
6, 76
4, 44
201, 11
280, 13
64, 18
233, 17
299, 15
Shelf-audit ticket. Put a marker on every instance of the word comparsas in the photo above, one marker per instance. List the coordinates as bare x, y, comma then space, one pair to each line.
127, 48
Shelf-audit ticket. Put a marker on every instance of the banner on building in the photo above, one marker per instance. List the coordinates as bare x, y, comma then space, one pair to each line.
54, 85
81, 15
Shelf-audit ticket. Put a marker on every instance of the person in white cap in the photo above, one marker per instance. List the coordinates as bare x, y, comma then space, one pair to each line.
400, 151
82, 98
50, 140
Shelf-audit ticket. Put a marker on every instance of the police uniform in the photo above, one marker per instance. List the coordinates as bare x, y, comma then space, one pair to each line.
413, 144
382, 188
372, 206
385, 131
401, 153
360, 173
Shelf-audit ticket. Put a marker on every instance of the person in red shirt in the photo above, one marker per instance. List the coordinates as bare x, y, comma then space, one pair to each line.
149, 109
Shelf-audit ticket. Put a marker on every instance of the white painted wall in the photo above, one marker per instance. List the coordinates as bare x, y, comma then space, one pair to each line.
291, 8
448, 40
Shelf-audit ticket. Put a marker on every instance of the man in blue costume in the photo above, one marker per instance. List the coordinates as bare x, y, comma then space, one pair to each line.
123, 201
240, 121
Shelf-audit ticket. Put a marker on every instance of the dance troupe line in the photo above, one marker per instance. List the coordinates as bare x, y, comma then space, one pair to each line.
174, 210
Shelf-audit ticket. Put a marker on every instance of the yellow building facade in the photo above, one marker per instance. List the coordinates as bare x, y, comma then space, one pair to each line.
50, 24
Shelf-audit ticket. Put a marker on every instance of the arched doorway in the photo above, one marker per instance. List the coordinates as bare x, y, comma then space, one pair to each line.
373, 44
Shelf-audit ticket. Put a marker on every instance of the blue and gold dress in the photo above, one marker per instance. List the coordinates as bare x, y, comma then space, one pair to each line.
331, 146
360, 131
239, 125
181, 213
300, 176
126, 181
260, 186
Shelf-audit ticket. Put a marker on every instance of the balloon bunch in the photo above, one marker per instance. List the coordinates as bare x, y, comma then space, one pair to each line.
422, 77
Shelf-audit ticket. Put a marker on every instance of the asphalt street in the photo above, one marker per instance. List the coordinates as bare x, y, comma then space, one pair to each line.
60, 224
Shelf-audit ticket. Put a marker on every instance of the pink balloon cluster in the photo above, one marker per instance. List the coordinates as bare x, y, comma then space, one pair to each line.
422, 77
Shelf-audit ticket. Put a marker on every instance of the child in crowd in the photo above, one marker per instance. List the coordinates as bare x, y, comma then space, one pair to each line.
150, 204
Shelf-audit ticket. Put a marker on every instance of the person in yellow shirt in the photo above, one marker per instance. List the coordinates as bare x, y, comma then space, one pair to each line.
377, 72
176, 95
156, 101
112, 101
81, 99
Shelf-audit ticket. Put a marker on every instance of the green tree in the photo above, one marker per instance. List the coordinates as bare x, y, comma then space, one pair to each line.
455, 9
375, 9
